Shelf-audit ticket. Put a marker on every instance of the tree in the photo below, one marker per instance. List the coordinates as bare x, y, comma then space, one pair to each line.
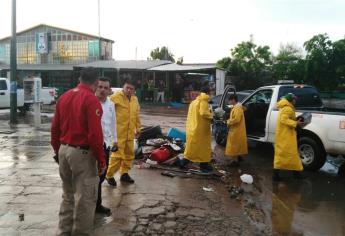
251, 64
162, 53
318, 67
179, 61
224, 63
288, 64
338, 61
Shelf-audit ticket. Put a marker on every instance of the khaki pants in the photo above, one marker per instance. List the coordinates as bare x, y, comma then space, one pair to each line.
122, 159
78, 172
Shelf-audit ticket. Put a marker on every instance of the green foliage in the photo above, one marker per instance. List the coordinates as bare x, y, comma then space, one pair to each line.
288, 64
224, 63
318, 69
162, 53
251, 66
179, 61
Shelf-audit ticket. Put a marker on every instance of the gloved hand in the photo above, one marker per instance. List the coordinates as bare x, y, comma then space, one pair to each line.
56, 158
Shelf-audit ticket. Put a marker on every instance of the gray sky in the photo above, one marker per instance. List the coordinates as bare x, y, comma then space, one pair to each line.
199, 30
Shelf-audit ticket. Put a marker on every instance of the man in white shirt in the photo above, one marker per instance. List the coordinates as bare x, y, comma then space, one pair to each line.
109, 133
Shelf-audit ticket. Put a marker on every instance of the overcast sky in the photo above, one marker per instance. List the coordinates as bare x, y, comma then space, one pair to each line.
198, 30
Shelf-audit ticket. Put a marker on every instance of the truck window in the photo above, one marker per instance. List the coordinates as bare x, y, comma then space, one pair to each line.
3, 85
306, 96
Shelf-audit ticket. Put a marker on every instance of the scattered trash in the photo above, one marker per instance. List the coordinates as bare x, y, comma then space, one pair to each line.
156, 142
21, 217
160, 155
208, 189
175, 147
235, 191
150, 162
147, 149
177, 134
222, 172
248, 179
170, 161
142, 165
168, 174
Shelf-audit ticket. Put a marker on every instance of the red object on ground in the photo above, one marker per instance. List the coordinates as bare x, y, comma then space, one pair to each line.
161, 154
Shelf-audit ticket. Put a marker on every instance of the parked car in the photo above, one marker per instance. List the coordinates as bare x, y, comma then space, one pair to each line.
215, 101
324, 135
47, 96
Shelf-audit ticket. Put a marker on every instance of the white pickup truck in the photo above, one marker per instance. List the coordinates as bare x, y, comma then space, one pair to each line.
324, 135
47, 96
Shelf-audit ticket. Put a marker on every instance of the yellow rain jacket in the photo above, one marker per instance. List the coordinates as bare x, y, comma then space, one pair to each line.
198, 130
236, 144
286, 155
127, 125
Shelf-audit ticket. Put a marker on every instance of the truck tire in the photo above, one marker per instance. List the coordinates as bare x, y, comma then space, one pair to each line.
311, 152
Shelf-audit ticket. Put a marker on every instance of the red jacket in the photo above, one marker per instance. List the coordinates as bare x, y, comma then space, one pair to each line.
77, 121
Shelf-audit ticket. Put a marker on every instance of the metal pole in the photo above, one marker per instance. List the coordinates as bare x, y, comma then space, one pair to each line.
99, 19
99, 31
13, 65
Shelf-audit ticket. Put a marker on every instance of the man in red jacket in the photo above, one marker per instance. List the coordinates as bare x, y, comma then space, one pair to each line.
77, 140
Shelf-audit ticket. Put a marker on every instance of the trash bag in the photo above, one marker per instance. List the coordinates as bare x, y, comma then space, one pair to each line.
150, 132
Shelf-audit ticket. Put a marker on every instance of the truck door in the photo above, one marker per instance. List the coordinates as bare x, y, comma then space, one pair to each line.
4, 95
224, 102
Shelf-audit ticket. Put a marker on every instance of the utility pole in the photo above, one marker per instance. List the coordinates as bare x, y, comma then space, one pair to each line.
99, 31
13, 65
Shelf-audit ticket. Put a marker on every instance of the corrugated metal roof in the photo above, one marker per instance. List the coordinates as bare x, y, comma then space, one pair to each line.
58, 28
46, 67
175, 67
126, 64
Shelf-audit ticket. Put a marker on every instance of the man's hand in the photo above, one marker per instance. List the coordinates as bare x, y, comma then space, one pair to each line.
114, 148
102, 169
56, 158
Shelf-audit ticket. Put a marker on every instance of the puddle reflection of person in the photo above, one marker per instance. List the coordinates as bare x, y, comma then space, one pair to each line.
285, 201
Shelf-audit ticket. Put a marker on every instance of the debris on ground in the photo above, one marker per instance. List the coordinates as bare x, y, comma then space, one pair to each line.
248, 179
168, 174
208, 189
235, 191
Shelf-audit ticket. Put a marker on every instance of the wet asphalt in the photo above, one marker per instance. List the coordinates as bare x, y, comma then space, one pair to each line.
30, 192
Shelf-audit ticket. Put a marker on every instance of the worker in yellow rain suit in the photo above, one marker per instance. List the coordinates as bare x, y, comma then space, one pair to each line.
128, 126
286, 155
198, 131
236, 144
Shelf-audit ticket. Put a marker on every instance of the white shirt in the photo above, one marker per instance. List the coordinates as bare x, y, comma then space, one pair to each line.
109, 122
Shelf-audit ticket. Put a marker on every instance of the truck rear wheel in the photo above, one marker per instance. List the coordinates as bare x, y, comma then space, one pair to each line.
311, 152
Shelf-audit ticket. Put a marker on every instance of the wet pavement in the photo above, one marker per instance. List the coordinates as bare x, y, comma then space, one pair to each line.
30, 193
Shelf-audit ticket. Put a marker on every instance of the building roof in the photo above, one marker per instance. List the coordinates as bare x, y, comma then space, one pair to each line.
58, 28
176, 67
126, 64
43, 67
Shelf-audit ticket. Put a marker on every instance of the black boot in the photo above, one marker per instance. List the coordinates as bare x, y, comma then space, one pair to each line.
298, 175
126, 178
111, 182
276, 176
103, 210
205, 167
